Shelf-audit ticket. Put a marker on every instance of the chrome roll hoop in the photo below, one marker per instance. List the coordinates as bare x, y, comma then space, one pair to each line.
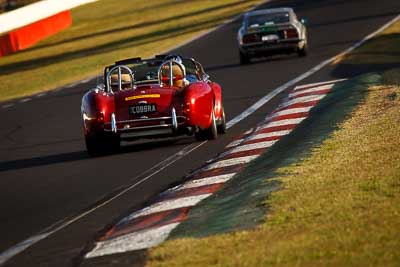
119, 69
170, 63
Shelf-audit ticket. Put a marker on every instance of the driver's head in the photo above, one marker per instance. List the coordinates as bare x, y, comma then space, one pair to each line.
173, 57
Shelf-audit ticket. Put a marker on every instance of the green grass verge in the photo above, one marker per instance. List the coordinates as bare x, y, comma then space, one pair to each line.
340, 198
106, 31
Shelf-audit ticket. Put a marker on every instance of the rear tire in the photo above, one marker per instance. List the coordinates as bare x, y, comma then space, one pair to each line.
210, 133
222, 124
93, 146
99, 145
244, 58
302, 52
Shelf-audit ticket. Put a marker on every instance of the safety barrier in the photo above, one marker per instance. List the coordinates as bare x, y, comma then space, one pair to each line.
25, 26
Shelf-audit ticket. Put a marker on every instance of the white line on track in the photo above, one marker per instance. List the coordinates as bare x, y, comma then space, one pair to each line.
11, 252
86, 80
25, 100
8, 106
70, 85
6, 255
41, 94
312, 90
134, 241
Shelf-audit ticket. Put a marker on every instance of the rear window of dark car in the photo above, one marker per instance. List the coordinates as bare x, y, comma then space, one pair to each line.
266, 19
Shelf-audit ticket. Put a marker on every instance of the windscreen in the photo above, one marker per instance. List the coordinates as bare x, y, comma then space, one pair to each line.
268, 19
147, 70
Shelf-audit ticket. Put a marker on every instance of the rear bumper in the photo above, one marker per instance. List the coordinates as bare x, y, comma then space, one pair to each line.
265, 47
148, 127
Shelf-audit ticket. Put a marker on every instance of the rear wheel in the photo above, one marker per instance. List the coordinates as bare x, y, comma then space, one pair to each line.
244, 58
210, 133
101, 144
93, 146
302, 52
222, 123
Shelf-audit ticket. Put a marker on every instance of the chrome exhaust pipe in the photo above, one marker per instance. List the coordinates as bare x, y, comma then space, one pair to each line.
174, 120
113, 123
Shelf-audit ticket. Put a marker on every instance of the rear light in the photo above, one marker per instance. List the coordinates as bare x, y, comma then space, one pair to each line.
100, 117
218, 107
189, 105
291, 33
250, 38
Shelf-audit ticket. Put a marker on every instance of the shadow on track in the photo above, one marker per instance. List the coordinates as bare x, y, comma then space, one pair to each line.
255, 61
82, 155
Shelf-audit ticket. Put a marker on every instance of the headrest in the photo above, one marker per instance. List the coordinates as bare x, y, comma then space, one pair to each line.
176, 70
125, 79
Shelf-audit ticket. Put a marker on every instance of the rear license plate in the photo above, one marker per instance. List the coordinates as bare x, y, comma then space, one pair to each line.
270, 38
142, 109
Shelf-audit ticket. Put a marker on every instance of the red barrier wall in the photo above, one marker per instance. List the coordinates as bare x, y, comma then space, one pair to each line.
29, 35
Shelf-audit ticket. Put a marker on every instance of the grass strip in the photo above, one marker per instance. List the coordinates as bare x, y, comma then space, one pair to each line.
340, 198
106, 31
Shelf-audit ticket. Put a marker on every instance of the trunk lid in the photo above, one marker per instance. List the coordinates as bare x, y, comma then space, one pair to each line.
150, 101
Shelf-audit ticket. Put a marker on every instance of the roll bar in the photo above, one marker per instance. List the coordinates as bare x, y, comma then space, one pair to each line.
170, 63
119, 68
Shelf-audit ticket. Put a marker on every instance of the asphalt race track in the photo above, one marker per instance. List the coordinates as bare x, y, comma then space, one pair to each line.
47, 179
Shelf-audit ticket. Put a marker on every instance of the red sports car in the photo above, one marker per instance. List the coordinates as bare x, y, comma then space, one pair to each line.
149, 98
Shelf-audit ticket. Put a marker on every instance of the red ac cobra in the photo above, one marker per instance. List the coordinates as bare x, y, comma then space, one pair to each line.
151, 98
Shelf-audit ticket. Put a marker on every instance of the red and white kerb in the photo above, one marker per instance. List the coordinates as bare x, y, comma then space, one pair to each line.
151, 225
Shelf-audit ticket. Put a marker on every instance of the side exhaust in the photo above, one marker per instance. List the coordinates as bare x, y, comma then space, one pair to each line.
174, 121
113, 123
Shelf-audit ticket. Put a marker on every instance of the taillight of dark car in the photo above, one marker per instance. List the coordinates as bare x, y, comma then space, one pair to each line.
291, 33
250, 38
